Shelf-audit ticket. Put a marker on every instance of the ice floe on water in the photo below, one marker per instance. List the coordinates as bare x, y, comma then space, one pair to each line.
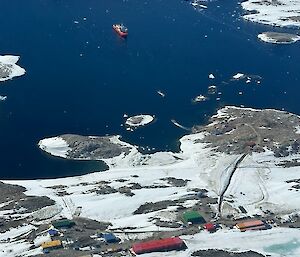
278, 38
199, 98
238, 76
212, 89
162, 94
247, 78
139, 120
211, 76
8, 67
177, 124
3, 98
283, 13
199, 4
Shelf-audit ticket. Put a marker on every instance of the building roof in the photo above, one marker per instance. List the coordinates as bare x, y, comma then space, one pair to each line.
52, 232
262, 227
209, 226
109, 237
63, 223
250, 223
191, 215
158, 245
51, 244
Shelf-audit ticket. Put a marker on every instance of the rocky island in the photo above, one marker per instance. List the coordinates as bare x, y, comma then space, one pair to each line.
278, 38
9, 68
139, 120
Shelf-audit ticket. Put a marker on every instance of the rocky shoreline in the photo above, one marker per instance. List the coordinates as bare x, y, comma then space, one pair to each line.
236, 130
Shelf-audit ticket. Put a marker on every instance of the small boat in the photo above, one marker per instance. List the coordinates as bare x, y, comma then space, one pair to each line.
121, 30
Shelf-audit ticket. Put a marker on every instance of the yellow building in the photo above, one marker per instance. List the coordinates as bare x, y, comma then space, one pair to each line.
52, 244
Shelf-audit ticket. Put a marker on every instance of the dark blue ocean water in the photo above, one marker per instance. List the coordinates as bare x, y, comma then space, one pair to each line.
81, 78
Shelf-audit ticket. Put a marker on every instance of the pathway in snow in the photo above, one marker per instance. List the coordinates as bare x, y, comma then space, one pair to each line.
236, 166
228, 181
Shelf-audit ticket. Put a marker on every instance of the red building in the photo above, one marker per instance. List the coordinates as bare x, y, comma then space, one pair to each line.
166, 244
210, 227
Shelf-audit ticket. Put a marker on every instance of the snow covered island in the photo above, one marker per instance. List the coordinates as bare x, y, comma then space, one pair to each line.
242, 165
282, 13
278, 38
108, 148
8, 67
139, 120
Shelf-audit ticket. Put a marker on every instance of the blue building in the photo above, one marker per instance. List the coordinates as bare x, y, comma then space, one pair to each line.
52, 232
110, 238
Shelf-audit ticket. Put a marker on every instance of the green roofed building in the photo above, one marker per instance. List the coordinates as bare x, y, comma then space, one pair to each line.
63, 223
194, 217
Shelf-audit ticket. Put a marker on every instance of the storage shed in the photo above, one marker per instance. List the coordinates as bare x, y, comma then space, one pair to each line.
194, 217
63, 223
52, 245
161, 245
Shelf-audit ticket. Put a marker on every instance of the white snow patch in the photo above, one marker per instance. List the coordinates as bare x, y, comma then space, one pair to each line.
39, 240
14, 233
297, 128
283, 13
56, 146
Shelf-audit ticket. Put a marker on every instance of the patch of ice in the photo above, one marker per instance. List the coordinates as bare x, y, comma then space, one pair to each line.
161, 93
200, 98
238, 76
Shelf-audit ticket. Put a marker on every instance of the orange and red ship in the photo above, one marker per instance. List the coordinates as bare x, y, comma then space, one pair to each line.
121, 30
